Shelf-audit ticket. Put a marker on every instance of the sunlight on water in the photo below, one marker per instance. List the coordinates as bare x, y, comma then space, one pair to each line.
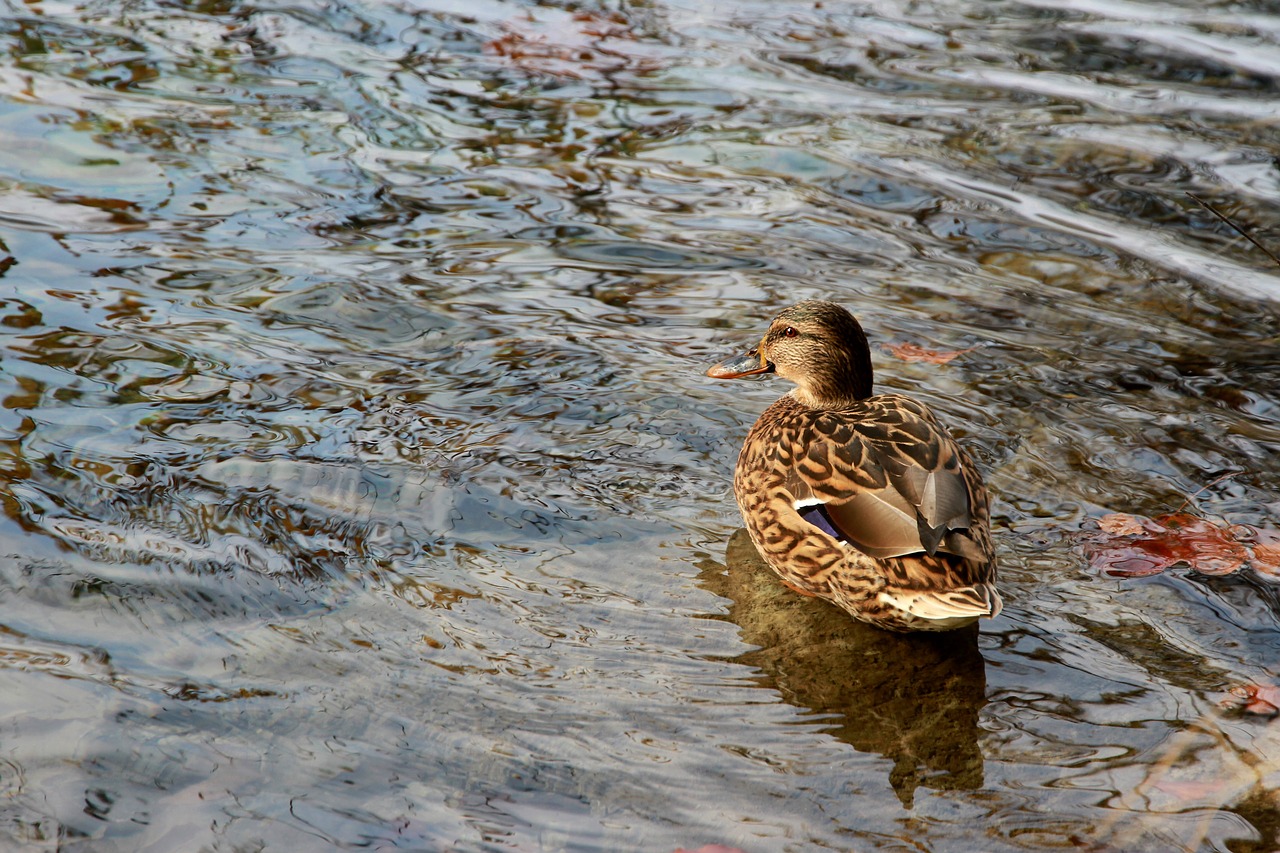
362, 487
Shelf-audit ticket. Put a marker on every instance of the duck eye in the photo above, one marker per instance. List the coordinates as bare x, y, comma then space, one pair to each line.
789, 332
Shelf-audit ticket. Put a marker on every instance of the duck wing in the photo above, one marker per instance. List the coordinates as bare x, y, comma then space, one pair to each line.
887, 479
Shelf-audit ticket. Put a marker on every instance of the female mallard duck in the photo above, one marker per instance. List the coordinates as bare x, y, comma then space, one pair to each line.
864, 500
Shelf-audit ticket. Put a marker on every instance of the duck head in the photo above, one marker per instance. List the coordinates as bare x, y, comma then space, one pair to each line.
817, 345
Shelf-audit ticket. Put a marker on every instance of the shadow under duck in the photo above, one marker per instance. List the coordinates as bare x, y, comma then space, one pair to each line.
858, 498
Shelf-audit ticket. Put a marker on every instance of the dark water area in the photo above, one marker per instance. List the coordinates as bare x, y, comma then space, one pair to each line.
362, 488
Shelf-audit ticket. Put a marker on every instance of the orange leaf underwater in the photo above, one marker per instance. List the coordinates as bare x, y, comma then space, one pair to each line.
1266, 552
585, 44
1131, 546
1261, 699
915, 352
1120, 524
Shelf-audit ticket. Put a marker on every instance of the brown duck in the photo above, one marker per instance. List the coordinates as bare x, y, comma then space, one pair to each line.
864, 500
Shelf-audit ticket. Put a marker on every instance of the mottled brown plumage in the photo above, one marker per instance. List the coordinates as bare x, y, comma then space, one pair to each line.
864, 500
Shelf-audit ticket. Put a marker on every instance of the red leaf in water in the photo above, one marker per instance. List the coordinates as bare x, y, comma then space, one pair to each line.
1264, 549
1209, 548
586, 44
915, 352
1262, 699
1133, 547
1266, 559
1123, 524
1136, 547
1133, 558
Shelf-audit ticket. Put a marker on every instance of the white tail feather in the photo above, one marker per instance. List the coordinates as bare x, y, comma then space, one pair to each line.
953, 607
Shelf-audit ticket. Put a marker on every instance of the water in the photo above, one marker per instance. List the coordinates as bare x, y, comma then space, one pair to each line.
362, 488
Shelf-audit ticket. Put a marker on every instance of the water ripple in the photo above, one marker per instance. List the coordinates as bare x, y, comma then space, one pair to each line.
361, 485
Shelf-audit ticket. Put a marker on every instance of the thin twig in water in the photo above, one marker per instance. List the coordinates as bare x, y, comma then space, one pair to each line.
1206, 487
1235, 227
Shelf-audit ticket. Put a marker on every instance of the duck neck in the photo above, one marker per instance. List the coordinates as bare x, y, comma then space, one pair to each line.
838, 384
825, 402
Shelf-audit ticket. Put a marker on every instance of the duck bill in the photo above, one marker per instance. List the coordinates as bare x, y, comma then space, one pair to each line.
750, 364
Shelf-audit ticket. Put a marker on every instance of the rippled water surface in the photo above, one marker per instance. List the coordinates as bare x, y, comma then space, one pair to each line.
362, 488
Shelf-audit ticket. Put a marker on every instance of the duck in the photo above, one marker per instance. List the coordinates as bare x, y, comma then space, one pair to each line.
862, 499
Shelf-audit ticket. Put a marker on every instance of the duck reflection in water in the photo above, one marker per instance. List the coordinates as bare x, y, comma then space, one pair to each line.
911, 698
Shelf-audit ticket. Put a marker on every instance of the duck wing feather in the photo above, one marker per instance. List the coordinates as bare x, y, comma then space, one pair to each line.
885, 478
